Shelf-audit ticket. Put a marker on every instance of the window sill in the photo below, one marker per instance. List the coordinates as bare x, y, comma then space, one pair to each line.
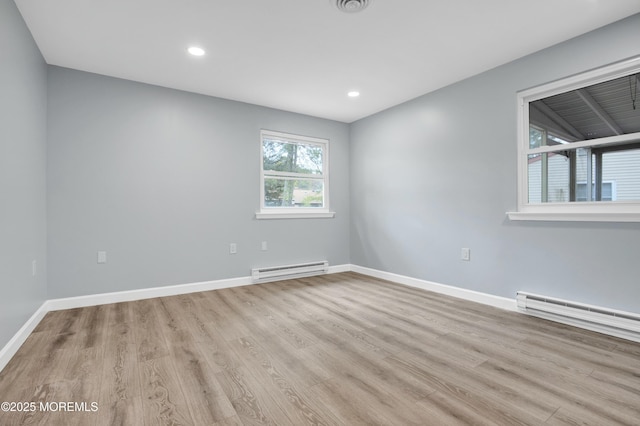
295, 215
576, 216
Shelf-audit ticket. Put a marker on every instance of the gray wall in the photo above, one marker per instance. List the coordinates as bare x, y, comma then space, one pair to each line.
438, 173
164, 180
23, 123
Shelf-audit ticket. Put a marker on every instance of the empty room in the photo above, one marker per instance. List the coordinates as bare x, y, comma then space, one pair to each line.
322, 212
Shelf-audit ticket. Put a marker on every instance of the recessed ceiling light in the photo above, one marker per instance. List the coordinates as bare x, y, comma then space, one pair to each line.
353, 94
352, 6
196, 51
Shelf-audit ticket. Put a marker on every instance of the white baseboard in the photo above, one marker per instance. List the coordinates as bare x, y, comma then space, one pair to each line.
10, 349
144, 293
149, 293
340, 268
460, 293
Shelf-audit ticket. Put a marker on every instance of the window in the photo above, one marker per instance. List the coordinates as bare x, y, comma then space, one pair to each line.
294, 176
579, 147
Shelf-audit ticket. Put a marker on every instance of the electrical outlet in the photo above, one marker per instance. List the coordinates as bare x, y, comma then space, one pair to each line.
264, 246
465, 254
233, 248
102, 257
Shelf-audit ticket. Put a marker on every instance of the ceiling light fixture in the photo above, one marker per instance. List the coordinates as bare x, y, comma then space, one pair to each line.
352, 6
353, 94
196, 51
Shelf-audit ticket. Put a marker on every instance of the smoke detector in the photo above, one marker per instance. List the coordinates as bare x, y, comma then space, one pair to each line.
352, 6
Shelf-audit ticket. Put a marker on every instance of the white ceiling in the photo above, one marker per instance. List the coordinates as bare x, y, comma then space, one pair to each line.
305, 55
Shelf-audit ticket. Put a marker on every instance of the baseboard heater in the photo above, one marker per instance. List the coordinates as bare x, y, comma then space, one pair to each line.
603, 320
299, 270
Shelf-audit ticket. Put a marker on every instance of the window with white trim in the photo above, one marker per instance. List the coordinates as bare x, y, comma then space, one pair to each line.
294, 176
579, 147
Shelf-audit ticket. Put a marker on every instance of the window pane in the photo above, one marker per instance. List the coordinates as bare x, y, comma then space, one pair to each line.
608, 193
283, 156
293, 192
576, 115
548, 178
549, 175
622, 170
536, 137
584, 160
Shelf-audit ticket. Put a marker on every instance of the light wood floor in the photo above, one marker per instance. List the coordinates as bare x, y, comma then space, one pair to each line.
340, 349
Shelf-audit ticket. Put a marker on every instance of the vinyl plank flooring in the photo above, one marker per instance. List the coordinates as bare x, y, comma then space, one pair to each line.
228, 322
340, 339
93, 329
316, 310
206, 399
348, 405
474, 389
578, 415
122, 412
230, 421
449, 407
292, 399
207, 402
64, 321
12, 377
84, 373
148, 336
334, 306
568, 395
120, 388
162, 399
339, 349
380, 403
193, 318
300, 370
253, 403
50, 364
624, 381
375, 372
587, 354
120, 313
276, 300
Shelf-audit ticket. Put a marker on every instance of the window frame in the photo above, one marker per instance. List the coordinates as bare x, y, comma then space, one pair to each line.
266, 212
609, 211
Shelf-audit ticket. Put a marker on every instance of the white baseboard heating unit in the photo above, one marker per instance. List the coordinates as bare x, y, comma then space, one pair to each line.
275, 273
603, 320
